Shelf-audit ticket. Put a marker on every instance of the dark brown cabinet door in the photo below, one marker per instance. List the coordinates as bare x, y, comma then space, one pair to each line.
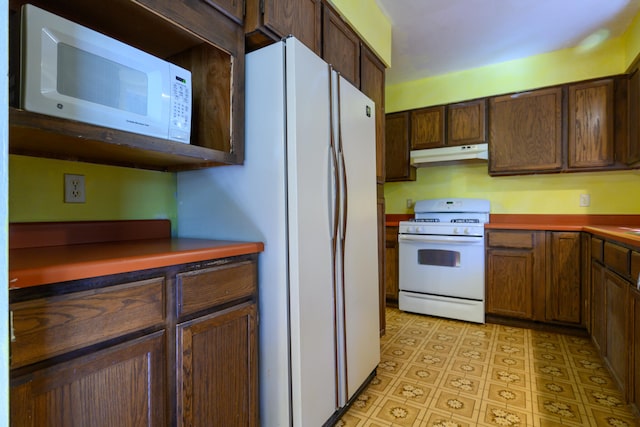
563, 302
232, 8
598, 308
118, 386
216, 369
633, 140
467, 123
427, 128
391, 264
381, 259
340, 46
526, 132
634, 356
515, 274
372, 72
300, 18
591, 124
617, 303
396, 152
510, 282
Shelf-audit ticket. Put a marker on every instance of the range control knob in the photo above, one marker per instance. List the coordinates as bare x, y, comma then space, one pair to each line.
466, 231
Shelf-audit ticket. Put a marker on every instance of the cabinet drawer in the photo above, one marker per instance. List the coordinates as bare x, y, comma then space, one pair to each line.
617, 258
201, 289
596, 248
391, 236
52, 326
511, 239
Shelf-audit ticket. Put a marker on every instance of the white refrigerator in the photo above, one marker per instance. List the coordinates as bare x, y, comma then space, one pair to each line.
307, 189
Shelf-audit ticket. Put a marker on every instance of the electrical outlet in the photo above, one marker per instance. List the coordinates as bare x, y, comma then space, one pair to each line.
409, 203
74, 188
585, 200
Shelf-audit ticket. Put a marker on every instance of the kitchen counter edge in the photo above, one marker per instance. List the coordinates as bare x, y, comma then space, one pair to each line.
54, 264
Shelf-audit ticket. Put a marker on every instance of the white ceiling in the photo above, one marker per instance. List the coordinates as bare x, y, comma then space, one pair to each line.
433, 37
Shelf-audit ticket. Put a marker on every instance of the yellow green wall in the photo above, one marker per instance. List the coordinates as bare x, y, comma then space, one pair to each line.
112, 193
611, 192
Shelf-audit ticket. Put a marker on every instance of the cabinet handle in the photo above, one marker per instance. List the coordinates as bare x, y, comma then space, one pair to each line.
13, 335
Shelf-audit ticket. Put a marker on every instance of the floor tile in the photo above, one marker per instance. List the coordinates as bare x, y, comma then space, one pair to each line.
442, 373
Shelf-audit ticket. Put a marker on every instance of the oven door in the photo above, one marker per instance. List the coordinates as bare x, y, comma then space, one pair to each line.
451, 266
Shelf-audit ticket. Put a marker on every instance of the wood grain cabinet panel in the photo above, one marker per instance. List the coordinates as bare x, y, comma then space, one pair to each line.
467, 123
119, 386
617, 303
564, 280
591, 124
340, 46
632, 149
372, 72
201, 289
391, 264
47, 327
427, 127
598, 308
232, 8
616, 257
216, 369
397, 148
526, 132
515, 274
634, 354
267, 21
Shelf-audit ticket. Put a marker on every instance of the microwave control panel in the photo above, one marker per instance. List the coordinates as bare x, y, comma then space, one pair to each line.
180, 125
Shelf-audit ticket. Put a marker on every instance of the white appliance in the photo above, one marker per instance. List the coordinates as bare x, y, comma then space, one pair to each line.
441, 259
73, 72
427, 157
307, 190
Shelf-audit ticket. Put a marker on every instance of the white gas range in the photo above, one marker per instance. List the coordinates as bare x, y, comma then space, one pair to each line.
441, 259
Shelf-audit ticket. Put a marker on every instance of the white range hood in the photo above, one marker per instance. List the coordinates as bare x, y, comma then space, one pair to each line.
449, 154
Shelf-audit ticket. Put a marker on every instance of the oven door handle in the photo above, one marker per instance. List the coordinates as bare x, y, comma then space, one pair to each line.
440, 239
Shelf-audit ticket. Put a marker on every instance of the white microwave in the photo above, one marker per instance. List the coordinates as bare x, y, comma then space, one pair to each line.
70, 71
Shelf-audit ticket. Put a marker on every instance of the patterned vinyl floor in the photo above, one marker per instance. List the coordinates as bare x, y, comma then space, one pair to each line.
443, 373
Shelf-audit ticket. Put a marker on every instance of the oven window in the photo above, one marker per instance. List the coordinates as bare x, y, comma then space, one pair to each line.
438, 257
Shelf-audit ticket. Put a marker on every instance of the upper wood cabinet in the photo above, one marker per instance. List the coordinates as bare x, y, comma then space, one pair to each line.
397, 146
427, 127
467, 123
340, 46
234, 9
632, 152
267, 21
372, 72
591, 124
526, 132
194, 35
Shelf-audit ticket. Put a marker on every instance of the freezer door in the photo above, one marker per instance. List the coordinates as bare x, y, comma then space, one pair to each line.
359, 298
310, 219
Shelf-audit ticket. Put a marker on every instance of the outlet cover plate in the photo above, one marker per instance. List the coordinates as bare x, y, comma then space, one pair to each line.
74, 191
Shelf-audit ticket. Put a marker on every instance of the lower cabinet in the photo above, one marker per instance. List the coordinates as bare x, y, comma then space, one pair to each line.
216, 369
169, 346
598, 308
634, 344
514, 272
616, 302
534, 275
615, 313
391, 264
118, 386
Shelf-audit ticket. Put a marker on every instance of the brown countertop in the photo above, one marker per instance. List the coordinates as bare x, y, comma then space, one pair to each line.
44, 253
52, 264
617, 227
